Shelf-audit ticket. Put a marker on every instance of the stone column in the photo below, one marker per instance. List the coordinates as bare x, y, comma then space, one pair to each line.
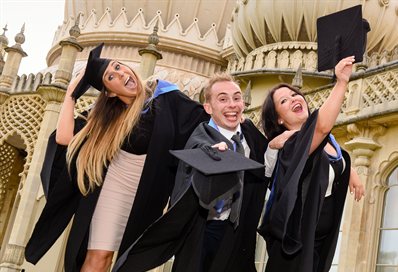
70, 47
13, 255
14, 57
355, 247
150, 55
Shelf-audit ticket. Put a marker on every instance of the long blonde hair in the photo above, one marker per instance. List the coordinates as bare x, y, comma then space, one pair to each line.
108, 124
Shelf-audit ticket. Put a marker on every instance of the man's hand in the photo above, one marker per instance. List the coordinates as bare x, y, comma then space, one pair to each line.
222, 146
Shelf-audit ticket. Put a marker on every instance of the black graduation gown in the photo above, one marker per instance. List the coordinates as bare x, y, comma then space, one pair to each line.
290, 224
180, 231
176, 116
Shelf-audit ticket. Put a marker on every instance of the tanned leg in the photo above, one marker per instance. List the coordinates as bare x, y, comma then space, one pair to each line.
97, 261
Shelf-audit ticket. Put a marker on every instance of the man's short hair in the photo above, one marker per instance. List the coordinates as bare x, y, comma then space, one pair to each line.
218, 77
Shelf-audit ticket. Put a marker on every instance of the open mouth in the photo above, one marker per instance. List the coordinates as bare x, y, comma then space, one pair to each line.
129, 83
297, 108
232, 116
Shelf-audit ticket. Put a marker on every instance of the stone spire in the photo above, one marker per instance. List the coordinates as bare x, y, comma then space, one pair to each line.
298, 78
15, 54
3, 45
150, 55
247, 96
70, 47
3, 38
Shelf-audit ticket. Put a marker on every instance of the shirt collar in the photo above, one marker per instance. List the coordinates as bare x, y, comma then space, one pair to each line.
225, 132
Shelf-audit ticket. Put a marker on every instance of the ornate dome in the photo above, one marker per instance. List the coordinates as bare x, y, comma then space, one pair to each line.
196, 27
191, 34
204, 12
262, 22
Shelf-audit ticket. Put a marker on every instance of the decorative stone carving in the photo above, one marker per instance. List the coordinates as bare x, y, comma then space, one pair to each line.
283, 60
22, 115
296, 59
310, 62
363, 144
271, 60
13, 255
384, 57
7, 155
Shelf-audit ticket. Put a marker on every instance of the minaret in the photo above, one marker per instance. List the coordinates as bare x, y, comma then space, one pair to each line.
150, 55
247, 96
15, 54
70, 47
3, 45
298, 78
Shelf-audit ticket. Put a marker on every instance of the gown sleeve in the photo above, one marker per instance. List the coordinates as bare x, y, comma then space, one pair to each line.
62, 197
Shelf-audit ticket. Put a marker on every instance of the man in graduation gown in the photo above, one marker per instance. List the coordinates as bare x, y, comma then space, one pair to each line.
212, 222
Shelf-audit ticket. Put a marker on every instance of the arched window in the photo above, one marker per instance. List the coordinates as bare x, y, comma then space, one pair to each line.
387, 257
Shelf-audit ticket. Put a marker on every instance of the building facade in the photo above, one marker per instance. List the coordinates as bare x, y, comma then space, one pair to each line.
262, 43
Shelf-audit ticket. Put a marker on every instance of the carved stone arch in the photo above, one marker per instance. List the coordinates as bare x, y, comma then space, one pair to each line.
386, 167
12, 161
22, 115
378, 194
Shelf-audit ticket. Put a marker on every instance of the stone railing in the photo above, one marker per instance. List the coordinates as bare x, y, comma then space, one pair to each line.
289, 55
29, 83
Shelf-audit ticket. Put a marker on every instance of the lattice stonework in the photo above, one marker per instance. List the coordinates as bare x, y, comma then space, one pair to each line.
380, 88
22, 115
255, 116
84, 103
7, 156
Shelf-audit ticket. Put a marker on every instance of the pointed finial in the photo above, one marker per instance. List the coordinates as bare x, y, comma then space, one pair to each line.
247, 97
4, 30
3, 38
20, 37
75, 30
298, 78
154, 38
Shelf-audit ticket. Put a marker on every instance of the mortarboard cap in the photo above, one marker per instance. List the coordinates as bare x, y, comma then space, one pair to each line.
95, 69
341, 34
211, 161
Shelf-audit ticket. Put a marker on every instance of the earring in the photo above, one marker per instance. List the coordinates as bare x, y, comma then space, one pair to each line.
281, 122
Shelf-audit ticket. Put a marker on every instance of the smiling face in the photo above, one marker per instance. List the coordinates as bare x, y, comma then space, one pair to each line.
120, 81
225, 104
291, 108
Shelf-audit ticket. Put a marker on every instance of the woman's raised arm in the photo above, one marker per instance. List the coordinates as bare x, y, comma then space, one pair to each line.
330, 109
66, 122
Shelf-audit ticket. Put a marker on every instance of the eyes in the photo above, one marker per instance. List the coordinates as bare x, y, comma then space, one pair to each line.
285, 99
226, 99
116, 68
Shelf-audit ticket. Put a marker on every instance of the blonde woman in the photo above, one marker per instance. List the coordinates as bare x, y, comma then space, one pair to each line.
118, 173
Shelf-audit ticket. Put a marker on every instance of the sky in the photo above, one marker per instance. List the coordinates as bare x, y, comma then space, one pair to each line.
41, 18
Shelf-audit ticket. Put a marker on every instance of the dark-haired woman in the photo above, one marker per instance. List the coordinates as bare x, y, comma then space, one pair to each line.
118, 159
303, 215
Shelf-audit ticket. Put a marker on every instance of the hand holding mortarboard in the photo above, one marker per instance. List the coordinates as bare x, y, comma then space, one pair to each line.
211, 161
92, 75
340, 35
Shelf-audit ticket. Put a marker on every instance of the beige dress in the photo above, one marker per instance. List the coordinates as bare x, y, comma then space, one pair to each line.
115, 201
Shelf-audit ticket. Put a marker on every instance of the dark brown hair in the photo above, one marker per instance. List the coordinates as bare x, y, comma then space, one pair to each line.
269, 116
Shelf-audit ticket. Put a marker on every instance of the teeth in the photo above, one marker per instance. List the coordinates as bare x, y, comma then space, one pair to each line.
127, 80
297, 107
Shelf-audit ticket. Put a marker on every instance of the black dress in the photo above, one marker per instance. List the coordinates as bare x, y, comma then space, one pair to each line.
175, 116
298, 238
